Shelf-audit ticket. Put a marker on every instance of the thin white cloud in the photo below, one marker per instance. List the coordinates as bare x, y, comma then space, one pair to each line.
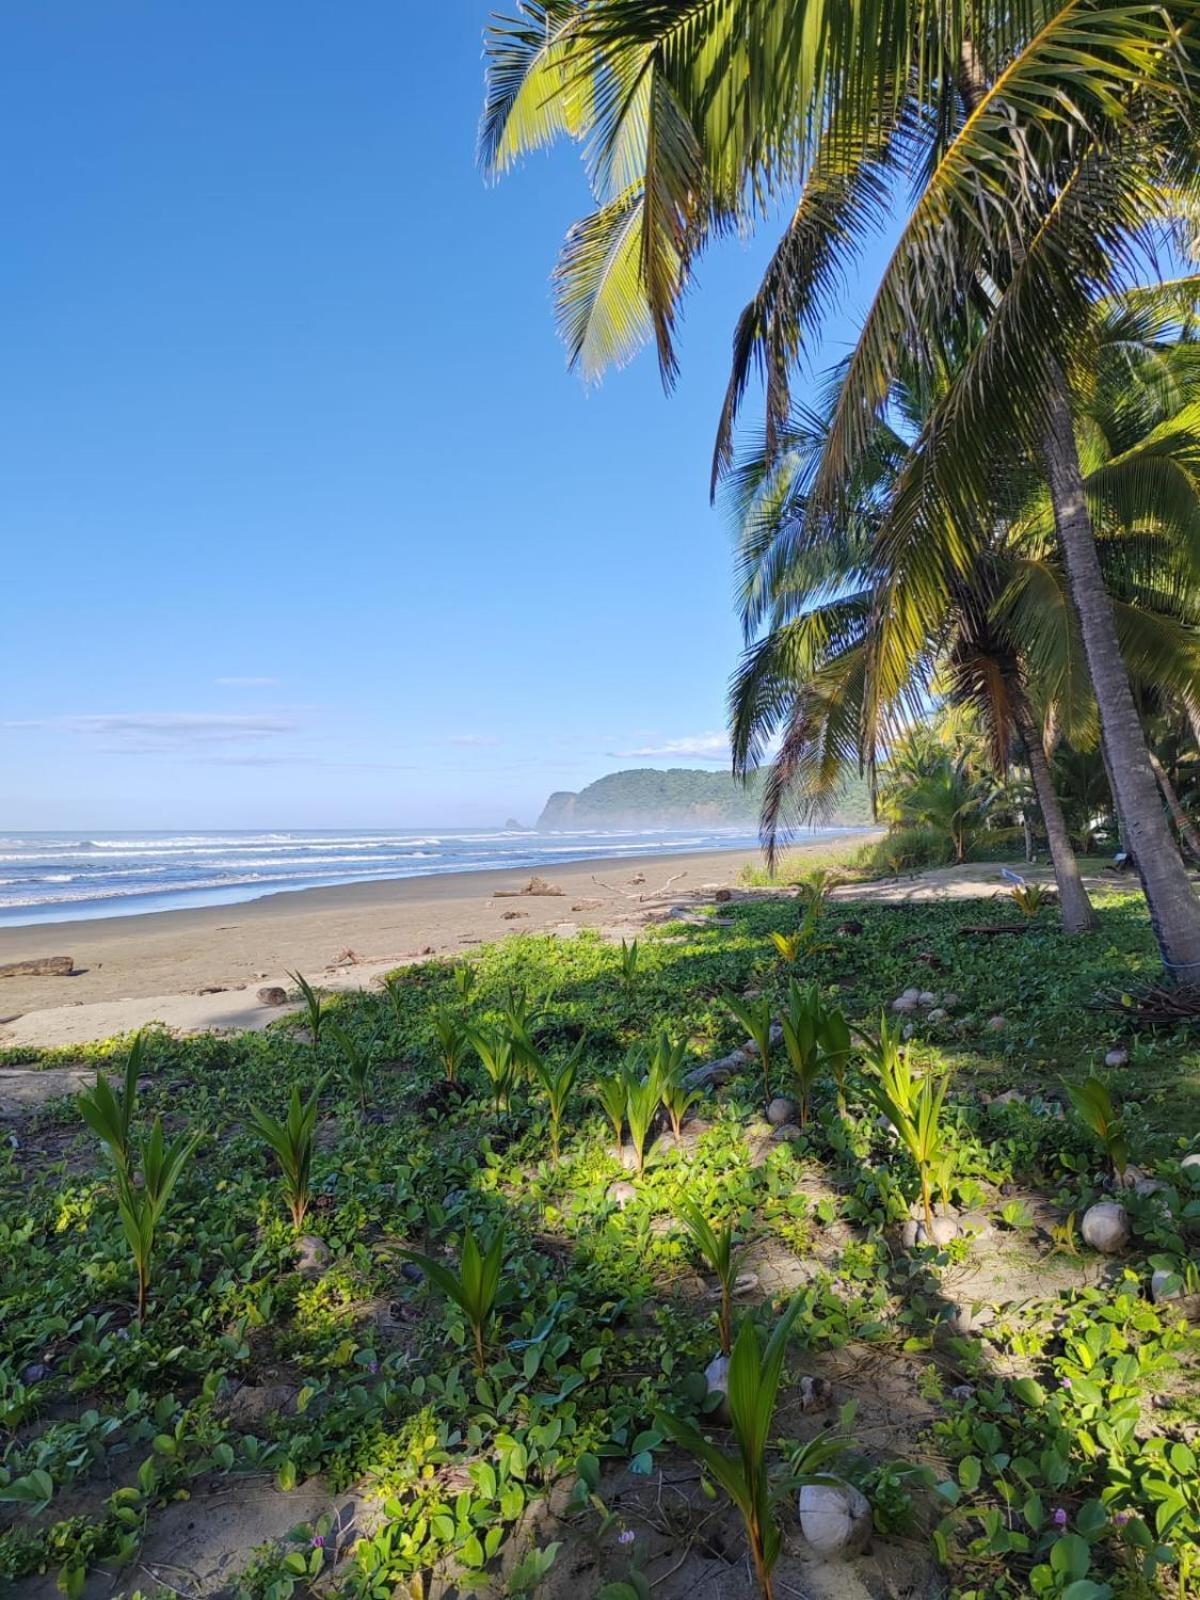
246, 683
472, 741
143, 732
695, 747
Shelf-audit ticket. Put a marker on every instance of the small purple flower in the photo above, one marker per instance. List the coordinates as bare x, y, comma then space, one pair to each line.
1066, 1383
318, 1541
1120, 1518
372, 1367
626, 1536
1060, 1517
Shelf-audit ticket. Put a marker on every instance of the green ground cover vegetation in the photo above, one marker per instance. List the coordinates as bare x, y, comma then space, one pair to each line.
503, 1353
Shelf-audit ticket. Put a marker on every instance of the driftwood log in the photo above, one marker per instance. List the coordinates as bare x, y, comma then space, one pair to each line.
40, 967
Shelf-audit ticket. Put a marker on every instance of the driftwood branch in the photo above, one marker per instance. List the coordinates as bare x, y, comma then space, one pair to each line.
626, 894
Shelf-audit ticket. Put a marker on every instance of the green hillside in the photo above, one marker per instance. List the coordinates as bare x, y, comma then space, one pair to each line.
642, 797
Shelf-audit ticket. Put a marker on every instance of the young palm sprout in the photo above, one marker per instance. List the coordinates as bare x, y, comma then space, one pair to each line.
723, 1258
754, 1375
629, 964
452, 1040
668, 1062
643, 1097
801, 1025
557, 1081
612, 1093
292, 1141
141, 1205
1095, 1106
497, 1055
473, 1287
755, 1017
314, 1007
358, 1058
914, 1109
109, 1114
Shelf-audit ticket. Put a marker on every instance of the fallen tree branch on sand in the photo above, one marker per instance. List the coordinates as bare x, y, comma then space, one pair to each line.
626, 894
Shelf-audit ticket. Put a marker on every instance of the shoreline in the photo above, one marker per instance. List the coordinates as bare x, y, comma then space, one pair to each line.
199, 969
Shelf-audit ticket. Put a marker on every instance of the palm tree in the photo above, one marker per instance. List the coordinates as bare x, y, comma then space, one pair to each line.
848, 656
837, 674
1043, 139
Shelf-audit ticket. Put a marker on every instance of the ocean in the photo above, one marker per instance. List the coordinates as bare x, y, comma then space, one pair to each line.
56, 877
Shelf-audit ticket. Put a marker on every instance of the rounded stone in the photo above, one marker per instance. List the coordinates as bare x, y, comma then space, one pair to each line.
927, 997
977, 1223
944, 1229
903, 1004
314, 1255
787, 1132
1105, 1227
272, 995
621, 1193
1191, 1163
835, 1519
1117, 1058
781, 1111
949, 1001
1165, 1285
996, 1024
716, 1376
815, 1393
937, 1015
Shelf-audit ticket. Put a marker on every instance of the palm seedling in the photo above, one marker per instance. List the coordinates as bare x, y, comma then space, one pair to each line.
629, 964
452, 1040
1028, 898
497, 1056
109, 1114
612, 1091
677, 1101
520, 1018
643, 1097
754, 1375
801, 1025
914, 1109
314, 1007
292, 1141
558, 1082
141, 1205
473, 1288
668, 1062
788, 945
722, 1257
835, 1047
358, 1057
1094, 1103
464, 981
755, 1017
394, 986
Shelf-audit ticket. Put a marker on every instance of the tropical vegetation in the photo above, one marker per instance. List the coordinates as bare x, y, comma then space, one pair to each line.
1047, 152
468, 1330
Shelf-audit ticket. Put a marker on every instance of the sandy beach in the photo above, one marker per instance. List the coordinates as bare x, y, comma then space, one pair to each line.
202, 968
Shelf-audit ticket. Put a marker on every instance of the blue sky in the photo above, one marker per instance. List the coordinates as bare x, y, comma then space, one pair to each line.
306, 523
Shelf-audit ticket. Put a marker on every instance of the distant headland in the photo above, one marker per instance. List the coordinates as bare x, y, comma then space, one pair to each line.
643, 797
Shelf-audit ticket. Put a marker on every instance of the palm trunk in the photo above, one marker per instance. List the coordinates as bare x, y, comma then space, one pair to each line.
1073, 902
1187, 834
1027, 831
1174, 908
1191, 710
